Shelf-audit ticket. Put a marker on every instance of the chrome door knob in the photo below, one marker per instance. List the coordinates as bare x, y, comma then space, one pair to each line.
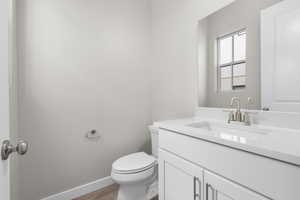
7, 148
22, 147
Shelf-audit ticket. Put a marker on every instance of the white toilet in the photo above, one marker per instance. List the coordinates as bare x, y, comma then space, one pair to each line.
137, 173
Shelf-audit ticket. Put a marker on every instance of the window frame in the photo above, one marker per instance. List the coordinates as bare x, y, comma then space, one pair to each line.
232, 63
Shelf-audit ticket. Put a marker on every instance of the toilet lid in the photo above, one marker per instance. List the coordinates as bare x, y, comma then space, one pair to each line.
133, 163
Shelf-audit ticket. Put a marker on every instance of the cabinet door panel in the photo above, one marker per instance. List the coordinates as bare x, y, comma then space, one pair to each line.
218, 188
178, 184
179, 179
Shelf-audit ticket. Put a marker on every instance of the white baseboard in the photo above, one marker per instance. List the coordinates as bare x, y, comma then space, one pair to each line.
81, 190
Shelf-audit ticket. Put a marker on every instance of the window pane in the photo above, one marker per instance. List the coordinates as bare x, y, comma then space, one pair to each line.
239, 69
225, 50
226, 84
239, 81
226, 72
240, 46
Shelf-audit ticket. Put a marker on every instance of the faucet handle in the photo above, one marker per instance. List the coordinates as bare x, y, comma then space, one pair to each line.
247, 119
249, 102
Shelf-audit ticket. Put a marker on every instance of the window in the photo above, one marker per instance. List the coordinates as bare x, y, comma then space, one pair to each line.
232, 61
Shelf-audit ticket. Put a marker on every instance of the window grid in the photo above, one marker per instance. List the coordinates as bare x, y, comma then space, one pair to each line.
230, 64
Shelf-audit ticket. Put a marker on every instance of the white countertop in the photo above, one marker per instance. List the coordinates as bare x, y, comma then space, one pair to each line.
282, 144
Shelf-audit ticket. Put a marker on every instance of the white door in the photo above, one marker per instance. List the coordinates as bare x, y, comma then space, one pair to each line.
6, 148
179, 179
280, 44
4, 96
217, 188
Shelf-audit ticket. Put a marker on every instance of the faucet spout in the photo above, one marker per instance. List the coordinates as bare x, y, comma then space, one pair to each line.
237, 101
237, 115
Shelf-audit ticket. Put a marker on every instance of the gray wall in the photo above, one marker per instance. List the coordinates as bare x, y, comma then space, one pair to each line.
238, 15
175, 55
82, 65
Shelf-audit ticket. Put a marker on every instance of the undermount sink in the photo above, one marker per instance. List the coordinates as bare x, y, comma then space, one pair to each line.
261, 138
233, 132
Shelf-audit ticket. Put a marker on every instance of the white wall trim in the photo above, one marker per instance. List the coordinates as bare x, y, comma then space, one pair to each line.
81, 190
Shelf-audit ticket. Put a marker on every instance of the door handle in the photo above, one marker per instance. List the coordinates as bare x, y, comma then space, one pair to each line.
197, 195
7, 148
210, 187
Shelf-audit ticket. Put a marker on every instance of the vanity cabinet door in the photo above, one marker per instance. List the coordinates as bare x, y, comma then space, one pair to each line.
218, 188
179, 179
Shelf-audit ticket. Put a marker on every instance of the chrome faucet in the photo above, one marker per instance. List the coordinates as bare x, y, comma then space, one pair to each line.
237, 115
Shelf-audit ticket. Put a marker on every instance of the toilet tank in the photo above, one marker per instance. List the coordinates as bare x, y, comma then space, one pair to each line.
154, 140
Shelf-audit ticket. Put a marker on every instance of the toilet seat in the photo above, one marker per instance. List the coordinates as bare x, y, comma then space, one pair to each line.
133, 163
132, 178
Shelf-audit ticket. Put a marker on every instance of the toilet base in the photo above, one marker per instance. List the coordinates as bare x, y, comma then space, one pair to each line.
133, 192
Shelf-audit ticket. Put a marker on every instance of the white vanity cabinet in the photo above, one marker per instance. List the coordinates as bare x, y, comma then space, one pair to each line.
195, 169
218, 188
179, 179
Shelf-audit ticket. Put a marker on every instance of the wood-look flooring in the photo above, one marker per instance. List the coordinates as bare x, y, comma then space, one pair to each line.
108, 193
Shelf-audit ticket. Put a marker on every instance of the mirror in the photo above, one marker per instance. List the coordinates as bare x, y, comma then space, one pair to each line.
232, 49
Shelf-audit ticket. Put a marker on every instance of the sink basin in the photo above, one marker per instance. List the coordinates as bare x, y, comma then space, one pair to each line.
267, 139
233, 132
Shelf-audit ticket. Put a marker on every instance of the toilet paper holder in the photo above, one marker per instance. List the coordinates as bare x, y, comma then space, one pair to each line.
92, 134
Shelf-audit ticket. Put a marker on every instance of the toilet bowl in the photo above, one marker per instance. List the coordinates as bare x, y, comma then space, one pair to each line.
136, 173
